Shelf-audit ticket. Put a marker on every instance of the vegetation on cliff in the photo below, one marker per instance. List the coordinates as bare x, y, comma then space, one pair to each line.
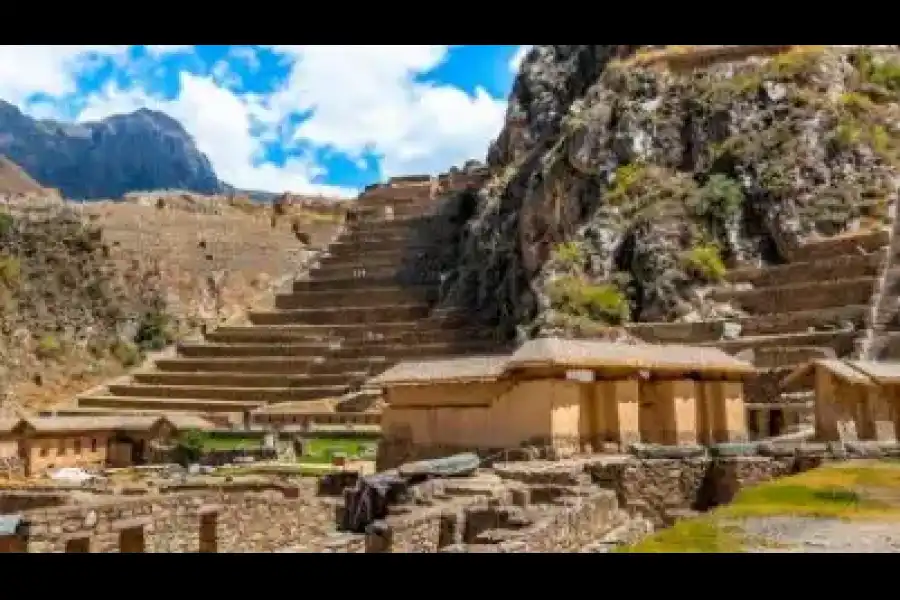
64, 305
624, 191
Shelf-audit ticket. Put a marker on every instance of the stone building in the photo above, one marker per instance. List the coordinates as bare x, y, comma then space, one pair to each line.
854, 399
569, 395
44, 444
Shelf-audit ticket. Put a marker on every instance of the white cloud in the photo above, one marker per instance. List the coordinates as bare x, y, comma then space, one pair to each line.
159, 51
516, 61
27, 70
362, 100
247, 55
366, 99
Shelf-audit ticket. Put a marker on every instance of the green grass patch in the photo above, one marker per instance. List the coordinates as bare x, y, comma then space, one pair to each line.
321, 450
865, 490
870, 490
700, 535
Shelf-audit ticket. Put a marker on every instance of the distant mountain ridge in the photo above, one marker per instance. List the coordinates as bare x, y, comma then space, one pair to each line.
143, 150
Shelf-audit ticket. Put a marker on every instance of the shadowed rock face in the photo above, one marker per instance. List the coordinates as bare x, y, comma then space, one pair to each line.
144, 150
621, 190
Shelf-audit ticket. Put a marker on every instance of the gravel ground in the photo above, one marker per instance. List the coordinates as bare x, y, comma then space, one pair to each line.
792, 534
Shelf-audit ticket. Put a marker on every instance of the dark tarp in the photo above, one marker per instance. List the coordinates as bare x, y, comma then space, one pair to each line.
458, 465
369, 500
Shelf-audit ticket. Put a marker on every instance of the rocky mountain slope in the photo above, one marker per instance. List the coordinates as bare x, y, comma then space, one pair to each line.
13, 180
627, 179
144, 150
86, 289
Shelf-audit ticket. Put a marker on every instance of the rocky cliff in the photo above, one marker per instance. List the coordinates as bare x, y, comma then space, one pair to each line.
144, 150
627, 179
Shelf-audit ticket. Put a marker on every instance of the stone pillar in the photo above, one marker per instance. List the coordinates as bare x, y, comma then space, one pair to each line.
623, 408
704, 414
825, 408
879, 415
729, 413
681, 429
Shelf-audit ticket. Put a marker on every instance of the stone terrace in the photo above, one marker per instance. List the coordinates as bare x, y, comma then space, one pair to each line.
354, 315
820, 304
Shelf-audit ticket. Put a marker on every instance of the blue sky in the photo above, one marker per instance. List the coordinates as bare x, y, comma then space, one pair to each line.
309, 119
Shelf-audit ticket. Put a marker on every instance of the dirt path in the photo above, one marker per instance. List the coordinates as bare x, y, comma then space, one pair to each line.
793, 534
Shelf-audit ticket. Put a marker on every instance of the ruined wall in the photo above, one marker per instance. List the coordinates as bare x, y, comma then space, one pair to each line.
244, 522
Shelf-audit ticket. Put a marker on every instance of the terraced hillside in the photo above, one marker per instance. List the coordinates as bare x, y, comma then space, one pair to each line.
820, 304
355, 315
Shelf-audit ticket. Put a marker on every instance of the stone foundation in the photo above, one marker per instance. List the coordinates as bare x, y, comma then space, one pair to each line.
236, 522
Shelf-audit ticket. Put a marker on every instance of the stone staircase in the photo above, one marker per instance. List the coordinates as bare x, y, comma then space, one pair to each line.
356, 314
817, 305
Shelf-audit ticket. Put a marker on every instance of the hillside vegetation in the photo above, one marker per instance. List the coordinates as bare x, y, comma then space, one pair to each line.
624, 188
86, 290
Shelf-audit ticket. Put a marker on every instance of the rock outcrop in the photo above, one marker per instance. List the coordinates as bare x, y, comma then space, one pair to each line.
628, 179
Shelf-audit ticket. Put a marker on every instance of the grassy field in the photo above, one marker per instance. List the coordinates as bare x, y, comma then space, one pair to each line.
321, 449
857, 491
318, 450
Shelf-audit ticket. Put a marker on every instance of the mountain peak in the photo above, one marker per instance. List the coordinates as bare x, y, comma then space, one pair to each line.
142, 150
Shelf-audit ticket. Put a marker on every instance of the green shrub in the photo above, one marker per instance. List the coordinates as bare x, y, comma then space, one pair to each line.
154, 331
600, 302
6, 224
10, 271
48, 347
721, 198
626, 177
884, 73
706, 261
189, 447
568, 254
856, 103
127, 354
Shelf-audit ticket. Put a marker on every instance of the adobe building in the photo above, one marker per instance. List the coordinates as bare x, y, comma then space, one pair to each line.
302, 415
45, 444
855, 400
569, 395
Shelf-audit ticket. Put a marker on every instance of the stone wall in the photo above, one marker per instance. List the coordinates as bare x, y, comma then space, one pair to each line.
244, 522
662, 489
14, 501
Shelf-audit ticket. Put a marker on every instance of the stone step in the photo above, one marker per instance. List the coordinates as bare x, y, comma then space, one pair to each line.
347, 314
394, 235
356, 248
413, 351
362, 277
382, 227
769, 324
260, 395
886, 346
410, 332
840, 341
831, 269
380, 258
834, 318
343, 284
801, 296
275, 364
788, 356
406, 193
167, 404
208, 350
867, 241
345, 271
251, 380
373, 296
